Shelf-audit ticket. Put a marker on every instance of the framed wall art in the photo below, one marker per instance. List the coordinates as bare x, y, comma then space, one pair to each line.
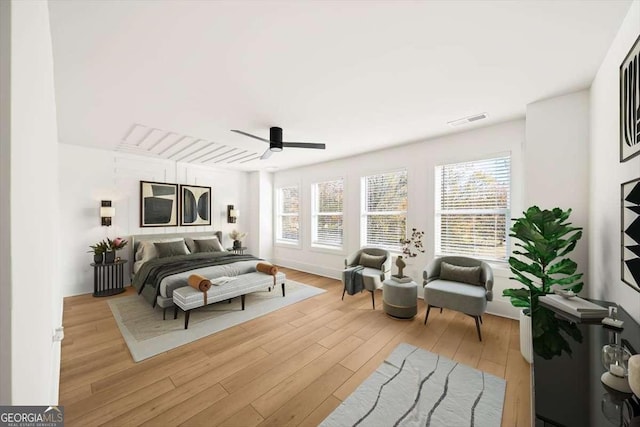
195, 205
158, 204
630, 104
630, 233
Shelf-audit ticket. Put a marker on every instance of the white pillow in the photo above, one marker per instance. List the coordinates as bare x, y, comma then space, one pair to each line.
147, 250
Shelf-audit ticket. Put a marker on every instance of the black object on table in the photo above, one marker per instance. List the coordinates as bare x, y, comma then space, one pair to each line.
239, 251
108, 279
567, 365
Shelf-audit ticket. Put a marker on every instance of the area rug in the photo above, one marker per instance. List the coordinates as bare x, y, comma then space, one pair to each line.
414, 387
146, 334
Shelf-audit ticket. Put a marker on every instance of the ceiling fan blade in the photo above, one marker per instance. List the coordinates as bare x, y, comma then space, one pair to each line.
266, 154
249, 135
303, 145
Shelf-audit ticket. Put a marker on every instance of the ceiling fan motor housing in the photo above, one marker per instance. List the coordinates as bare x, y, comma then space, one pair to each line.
275, 139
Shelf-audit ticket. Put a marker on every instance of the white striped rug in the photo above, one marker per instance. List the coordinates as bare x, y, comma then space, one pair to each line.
146, 334
414, 387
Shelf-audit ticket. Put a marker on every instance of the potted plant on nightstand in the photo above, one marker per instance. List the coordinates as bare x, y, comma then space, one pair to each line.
114, 246
545, 238
236, 236
98, 251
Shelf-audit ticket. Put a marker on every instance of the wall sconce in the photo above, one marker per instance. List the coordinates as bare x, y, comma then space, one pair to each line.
106, 212
232, 214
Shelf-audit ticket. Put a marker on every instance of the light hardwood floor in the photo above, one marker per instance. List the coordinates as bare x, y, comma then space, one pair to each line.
291, 367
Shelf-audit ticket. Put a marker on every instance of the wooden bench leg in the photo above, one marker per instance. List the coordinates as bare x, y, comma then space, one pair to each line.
175, 312
283, 289
186, 319
242, 299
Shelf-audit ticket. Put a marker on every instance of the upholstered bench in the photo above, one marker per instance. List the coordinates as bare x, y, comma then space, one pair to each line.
188, 298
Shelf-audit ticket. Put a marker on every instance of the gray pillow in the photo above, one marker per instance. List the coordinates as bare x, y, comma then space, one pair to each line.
372, 261
456, 273
208, 245
167, 249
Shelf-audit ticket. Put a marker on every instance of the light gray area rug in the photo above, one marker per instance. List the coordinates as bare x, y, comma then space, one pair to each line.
414, 387
146, 334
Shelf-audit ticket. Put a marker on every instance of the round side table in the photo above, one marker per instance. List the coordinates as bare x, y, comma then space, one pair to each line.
400, 299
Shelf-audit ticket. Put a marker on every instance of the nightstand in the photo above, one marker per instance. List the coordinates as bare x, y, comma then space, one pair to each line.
108, 279
239, 251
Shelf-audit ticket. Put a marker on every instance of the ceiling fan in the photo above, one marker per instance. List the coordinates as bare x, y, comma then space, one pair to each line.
276, 144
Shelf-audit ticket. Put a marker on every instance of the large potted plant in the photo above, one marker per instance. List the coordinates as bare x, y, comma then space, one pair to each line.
545, 238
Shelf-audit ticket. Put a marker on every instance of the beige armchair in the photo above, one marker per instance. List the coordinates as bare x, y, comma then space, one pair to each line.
376, 268
463, 284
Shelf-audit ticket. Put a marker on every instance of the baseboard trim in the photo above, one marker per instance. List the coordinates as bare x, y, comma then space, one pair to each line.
310, 268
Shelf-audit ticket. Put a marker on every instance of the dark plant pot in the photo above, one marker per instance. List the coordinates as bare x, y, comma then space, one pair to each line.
109, 257
237, 244
97, 258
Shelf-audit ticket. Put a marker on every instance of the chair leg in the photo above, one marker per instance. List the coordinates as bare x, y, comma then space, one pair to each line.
283, 291
440, 310
478, 327
164, 313
373, 300
427, 315
480, 319
345, 290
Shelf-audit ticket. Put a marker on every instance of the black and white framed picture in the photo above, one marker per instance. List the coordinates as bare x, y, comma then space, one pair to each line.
630, 104
158, 204
630, 233
195, 204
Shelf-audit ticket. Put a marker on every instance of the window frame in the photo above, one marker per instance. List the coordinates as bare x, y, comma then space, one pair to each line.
278, 240
314, 244
364, 214
493, 211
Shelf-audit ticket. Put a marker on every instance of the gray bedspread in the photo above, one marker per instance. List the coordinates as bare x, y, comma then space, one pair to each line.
161, 276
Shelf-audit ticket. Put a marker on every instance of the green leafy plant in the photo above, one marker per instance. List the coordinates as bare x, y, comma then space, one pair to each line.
545, 238
99, 248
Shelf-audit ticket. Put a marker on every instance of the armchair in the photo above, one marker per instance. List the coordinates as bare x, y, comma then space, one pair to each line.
376, 270
458, 283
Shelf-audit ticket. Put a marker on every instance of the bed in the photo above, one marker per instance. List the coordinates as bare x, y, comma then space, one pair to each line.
163, 262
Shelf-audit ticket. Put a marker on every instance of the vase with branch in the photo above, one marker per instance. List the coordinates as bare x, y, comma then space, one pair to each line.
412, 245
237, 236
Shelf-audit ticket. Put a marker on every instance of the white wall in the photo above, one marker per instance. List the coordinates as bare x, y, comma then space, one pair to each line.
420, 160
607, 173
30, 267
5, 199
89, 175
260, 211
556, 163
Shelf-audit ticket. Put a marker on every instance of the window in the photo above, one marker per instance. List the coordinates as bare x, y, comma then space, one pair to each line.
384, 205
288, 209
472, 208
327, 213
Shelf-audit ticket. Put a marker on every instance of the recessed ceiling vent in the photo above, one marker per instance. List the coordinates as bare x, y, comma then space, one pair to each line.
468, 119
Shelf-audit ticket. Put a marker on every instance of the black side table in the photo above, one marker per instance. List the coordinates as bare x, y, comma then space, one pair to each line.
108, 279
239, 251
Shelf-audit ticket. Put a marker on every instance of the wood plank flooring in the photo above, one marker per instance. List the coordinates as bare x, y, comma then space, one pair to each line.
290, 367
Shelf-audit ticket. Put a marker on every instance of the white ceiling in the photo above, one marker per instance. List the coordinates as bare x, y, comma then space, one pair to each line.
356, 75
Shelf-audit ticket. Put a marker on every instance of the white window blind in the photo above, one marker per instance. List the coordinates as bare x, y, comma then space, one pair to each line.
327, 213
384, 216
473, 207
288, 214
